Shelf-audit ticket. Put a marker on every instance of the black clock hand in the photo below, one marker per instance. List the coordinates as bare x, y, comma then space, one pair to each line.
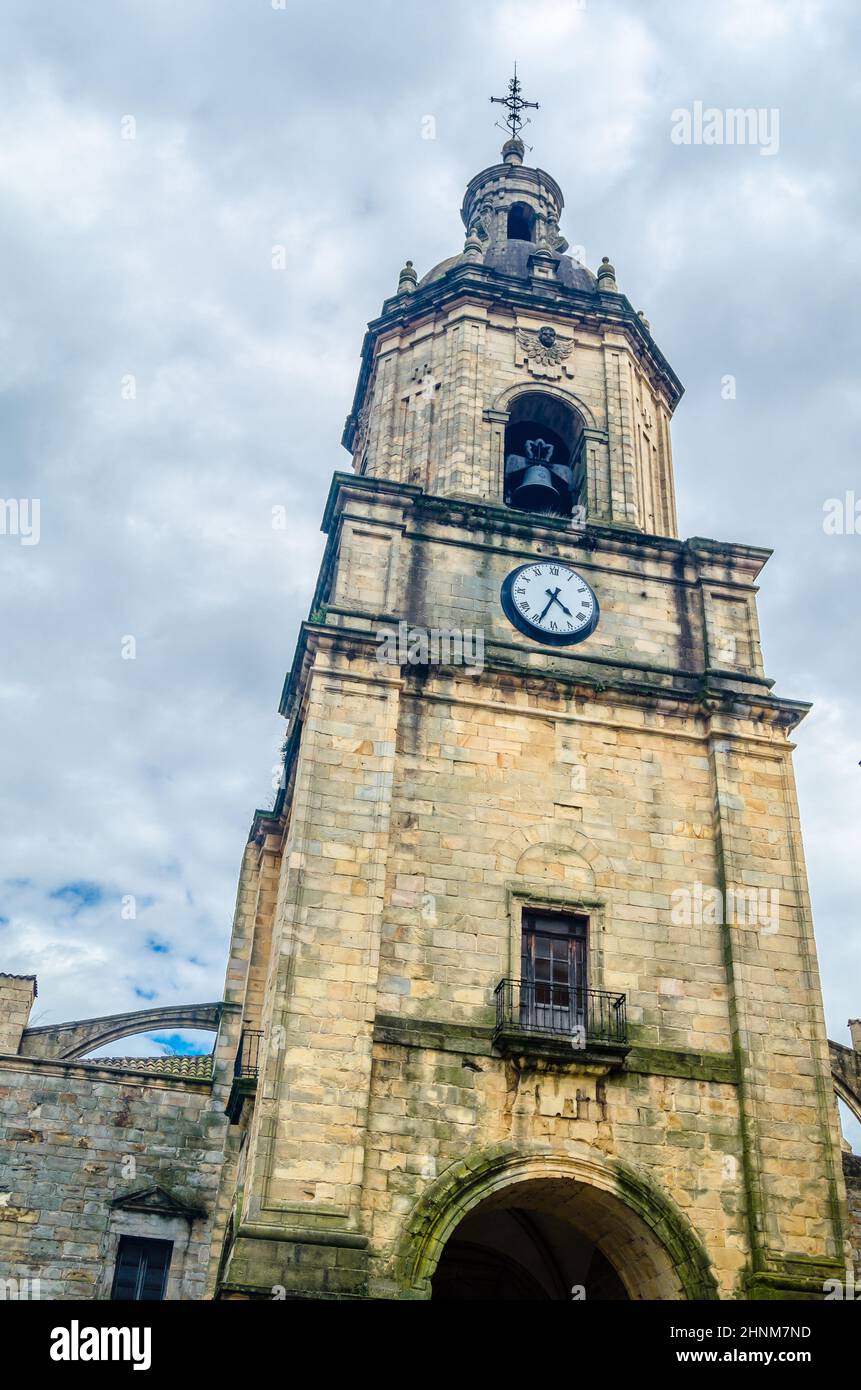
553, 599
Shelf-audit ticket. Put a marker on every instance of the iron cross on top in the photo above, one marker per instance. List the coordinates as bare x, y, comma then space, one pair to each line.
515, 104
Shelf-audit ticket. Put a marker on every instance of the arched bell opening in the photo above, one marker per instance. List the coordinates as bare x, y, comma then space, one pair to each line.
544, 456
521, 223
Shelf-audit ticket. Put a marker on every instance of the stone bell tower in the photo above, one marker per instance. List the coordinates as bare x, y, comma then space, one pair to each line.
598, 376
524, 949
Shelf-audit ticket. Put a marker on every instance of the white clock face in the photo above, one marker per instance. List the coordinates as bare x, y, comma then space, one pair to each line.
550, 601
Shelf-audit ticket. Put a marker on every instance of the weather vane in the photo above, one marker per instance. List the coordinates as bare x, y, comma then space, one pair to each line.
515, 104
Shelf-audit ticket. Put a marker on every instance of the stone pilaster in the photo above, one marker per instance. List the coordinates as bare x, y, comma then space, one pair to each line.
305, 1174
795, 1197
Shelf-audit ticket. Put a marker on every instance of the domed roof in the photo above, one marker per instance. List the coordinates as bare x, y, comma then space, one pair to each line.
442, 269
511, 257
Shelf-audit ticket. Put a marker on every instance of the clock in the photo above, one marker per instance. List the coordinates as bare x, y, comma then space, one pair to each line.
550, 602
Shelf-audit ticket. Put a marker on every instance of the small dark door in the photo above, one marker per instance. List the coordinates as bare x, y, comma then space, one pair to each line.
141, 1273
554, 980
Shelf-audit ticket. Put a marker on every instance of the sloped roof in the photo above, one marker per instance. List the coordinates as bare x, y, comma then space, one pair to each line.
197, 1068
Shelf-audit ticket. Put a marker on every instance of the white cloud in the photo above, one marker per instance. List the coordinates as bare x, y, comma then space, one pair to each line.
152, 257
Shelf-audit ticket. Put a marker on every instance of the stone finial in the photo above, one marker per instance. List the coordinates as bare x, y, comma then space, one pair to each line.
607, 277
473, 248
855, 1033
641, 315
513, 151
407, 280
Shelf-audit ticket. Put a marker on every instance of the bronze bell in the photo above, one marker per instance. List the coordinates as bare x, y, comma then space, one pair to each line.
535, 491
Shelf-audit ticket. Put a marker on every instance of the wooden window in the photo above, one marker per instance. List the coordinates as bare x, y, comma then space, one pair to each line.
141, 1272
554, 972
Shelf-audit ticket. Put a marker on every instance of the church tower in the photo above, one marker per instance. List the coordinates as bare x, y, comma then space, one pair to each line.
524, 950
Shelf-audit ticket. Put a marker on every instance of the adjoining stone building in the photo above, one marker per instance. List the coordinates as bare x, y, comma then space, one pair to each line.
522, 992
111, 1164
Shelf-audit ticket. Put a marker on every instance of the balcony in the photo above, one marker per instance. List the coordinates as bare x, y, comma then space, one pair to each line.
247, 1062
245, 1071
555, 1020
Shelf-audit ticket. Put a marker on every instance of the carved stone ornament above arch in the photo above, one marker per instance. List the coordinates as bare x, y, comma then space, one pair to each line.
544, 352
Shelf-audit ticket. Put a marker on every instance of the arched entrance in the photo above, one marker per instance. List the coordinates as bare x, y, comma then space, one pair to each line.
530, 1241
507, 1226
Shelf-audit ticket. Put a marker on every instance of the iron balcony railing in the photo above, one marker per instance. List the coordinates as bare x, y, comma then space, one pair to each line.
248, 1055
549, 1009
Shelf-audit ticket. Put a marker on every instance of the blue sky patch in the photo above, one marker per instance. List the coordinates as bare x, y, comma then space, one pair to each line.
77, 896
178, 1045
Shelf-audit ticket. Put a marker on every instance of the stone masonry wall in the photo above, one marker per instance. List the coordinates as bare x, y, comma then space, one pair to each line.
852, 1178
433, 1108
431, 805
487, 815
436, 379
76, 1139
571, 799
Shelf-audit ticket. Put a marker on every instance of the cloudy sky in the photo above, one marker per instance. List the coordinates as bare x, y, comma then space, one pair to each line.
163, 388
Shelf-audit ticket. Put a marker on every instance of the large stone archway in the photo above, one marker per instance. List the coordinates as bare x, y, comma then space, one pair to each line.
846, 1074
629, 1235
69, 1041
